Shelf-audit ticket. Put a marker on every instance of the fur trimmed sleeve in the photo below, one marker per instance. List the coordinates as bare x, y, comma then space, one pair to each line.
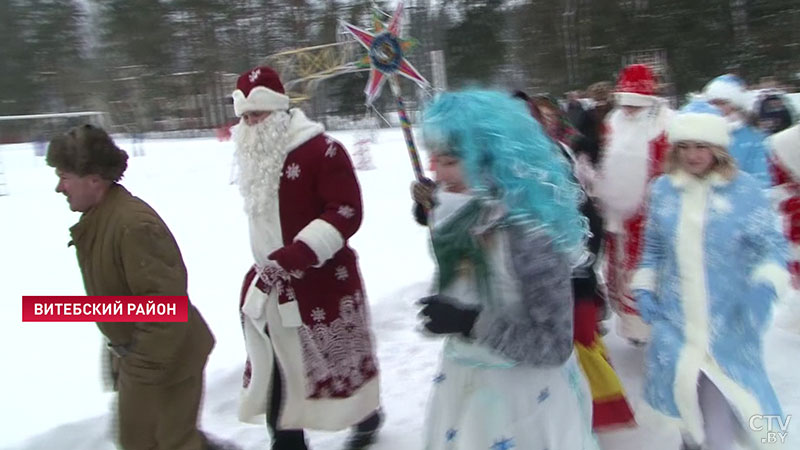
338, 188
537, 331
768, 258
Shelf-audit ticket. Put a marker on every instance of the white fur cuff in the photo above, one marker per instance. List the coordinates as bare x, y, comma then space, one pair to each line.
259, 99
254, 301
770, 272
644, 279
322, 238
290, 314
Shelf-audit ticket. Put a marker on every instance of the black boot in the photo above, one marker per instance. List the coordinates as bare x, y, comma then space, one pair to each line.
688, 444
289, 440
365, 432
214, 443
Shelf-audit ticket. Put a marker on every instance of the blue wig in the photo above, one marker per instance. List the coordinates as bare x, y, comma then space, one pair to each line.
506, 155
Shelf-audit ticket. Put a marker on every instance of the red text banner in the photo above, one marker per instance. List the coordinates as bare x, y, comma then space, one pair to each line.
105, 308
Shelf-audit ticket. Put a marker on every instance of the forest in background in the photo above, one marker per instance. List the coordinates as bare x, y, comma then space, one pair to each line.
171, 64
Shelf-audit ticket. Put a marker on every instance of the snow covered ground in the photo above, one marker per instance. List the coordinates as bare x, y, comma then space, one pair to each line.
50, 386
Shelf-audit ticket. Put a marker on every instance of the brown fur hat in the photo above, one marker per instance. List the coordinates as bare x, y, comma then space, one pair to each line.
601, 91
86, 150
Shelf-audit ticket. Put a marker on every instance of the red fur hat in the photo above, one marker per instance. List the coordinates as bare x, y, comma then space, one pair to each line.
259, 89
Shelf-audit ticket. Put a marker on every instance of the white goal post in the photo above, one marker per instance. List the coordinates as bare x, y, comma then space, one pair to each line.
40, 128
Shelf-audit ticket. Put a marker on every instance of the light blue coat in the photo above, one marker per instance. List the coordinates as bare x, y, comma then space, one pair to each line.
712, 266
748, 148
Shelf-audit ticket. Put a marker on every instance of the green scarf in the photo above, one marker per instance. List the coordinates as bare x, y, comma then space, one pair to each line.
454, 244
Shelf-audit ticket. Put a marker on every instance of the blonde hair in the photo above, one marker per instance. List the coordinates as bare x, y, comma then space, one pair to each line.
724, 163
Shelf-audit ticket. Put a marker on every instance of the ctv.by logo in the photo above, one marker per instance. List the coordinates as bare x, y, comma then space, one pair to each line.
777, 427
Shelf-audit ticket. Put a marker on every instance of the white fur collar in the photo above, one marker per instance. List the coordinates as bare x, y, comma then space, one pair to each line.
301, 129
785, 147
735, 124
447, 204
681, 179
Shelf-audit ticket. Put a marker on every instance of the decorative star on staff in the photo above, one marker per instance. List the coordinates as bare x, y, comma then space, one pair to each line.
386, 53
386, 58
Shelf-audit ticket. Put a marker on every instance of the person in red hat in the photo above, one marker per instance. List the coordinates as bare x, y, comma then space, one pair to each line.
785, 195
311, 361
635, 150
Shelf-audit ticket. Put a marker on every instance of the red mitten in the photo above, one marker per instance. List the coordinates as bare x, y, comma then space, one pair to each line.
271, 275
294, 257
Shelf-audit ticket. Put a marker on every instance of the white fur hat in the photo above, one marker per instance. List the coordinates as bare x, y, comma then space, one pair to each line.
699, 121
729, 88
636, 86
786, 144
259, 89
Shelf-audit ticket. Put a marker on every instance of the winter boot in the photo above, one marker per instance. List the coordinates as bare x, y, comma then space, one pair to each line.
289, 440
687, 446
689, 443
366, 432
214, 443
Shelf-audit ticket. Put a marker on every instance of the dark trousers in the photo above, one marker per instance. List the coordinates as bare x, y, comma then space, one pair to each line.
281, 439
296, 439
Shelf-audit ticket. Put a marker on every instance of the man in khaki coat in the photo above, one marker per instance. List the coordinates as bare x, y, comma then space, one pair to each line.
124, 248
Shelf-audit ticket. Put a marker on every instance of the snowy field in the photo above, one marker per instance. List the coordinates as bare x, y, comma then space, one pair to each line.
50, 386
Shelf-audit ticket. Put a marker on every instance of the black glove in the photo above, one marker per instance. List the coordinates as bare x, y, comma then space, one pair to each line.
422, 192
444, 317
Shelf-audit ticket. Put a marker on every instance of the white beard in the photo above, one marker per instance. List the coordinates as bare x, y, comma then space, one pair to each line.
261, 150
623, 177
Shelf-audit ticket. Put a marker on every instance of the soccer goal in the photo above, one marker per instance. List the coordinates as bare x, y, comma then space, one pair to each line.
39, 129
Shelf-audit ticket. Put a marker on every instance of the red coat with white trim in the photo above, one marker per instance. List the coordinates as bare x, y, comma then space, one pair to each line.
785, 168
319, 184
623, 190
317, 326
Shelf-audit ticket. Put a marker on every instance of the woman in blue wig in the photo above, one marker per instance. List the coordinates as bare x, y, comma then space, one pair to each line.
713, 264
506, 233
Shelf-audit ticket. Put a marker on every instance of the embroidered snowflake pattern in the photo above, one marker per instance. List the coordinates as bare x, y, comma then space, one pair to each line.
318, 314
668, 340
341, 273
718, 325
503, 444
346, 211
753, 319
668, 208
254, 75
338, 384
739, 326
297, 273
331, 151
751, 354
338, 353
543, 395
721, 205
325, 392
293, 171
663, 358
651, 366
